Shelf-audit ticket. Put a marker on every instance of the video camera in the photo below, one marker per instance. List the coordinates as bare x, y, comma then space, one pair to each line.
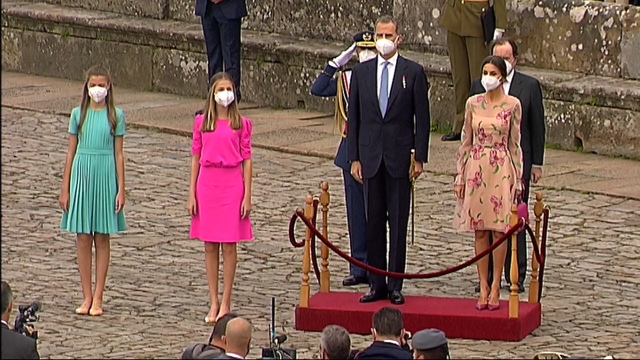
274, 351
27, 316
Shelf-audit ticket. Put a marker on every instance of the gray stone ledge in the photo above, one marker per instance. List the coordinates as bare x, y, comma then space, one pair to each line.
283, 49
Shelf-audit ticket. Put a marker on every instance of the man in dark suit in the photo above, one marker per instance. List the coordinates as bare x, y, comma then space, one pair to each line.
237, 339
14, 345
388, 117
388, 334
221, 25
532, 129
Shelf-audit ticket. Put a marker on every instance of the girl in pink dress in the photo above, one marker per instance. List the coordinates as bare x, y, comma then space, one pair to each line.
220, 188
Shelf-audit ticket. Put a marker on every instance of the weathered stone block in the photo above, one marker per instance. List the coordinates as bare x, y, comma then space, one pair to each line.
608, 131
183, 10
328, 19
419, 25
278, 85
568, 35
180, 72
441, 101
630, 44
261, 16
12, 49
157, 9
69, 57
560, 117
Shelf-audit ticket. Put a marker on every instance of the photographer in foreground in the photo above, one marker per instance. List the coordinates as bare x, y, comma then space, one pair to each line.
14, 345
215, 347
389, 341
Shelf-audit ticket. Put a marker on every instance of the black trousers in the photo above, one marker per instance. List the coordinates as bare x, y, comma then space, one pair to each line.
387, 199
222, 40
521, 252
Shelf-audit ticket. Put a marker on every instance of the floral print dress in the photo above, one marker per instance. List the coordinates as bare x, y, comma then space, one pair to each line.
489, 163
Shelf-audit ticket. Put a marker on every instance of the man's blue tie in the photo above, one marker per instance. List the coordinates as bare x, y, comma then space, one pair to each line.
383, 97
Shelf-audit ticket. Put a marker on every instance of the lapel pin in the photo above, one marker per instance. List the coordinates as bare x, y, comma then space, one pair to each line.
404, 82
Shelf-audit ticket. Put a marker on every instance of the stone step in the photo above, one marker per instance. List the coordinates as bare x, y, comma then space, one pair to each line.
585, 112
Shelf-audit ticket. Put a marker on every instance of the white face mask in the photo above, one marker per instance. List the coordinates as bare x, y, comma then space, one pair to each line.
365, 55
224, 98
509, 67
386, 46
98, 93
490, 82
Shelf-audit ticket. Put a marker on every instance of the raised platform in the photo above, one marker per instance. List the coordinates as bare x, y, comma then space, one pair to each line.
457, 317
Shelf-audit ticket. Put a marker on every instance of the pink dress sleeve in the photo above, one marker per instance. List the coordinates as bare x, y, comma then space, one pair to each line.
514, 143
196, 143
465, 147
245, 139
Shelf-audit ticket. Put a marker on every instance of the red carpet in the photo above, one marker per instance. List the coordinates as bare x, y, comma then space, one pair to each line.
458, 318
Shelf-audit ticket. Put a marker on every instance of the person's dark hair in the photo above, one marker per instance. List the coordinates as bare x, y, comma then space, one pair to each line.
498, 62
441, 352
388, 322
336, 342
221, 326
504, 41
7, 296
385, 19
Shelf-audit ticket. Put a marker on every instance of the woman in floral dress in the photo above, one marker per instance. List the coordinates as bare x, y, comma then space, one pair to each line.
489, 172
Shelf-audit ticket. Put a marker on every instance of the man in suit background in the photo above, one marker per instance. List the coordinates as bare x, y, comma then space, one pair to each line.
14, 345
388, 337
527, 90
467, 48
327, 85
221, 25
388, 117
237, 339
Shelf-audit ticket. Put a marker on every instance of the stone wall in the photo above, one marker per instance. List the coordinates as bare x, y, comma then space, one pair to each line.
594, 113
572, 35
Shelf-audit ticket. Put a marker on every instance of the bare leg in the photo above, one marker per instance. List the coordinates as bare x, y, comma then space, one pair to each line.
103, 256
482, 244
499, 256
229, 262
84, 244
212, 262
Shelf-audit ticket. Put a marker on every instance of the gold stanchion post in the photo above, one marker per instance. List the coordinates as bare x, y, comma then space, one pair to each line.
514, 301
534, 286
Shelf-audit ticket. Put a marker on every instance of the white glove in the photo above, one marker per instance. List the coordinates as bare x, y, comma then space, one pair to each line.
497, 34
344, 58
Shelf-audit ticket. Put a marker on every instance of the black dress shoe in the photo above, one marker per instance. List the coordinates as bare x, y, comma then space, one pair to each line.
396, 298
372, 296
454, 136
352, 280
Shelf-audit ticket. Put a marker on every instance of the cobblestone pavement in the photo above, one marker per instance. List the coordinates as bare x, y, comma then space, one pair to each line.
156, 295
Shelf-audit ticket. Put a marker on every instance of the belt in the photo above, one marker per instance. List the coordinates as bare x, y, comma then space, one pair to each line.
95, 151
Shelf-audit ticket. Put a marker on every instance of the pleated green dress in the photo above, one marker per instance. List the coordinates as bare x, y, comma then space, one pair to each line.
94, 181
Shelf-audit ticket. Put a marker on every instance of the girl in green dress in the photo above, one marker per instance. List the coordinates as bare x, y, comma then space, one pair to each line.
92, 194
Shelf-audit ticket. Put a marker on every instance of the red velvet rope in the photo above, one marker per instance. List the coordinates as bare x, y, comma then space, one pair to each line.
299, 214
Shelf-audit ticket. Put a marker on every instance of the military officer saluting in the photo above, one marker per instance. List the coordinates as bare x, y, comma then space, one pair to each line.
328, 85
